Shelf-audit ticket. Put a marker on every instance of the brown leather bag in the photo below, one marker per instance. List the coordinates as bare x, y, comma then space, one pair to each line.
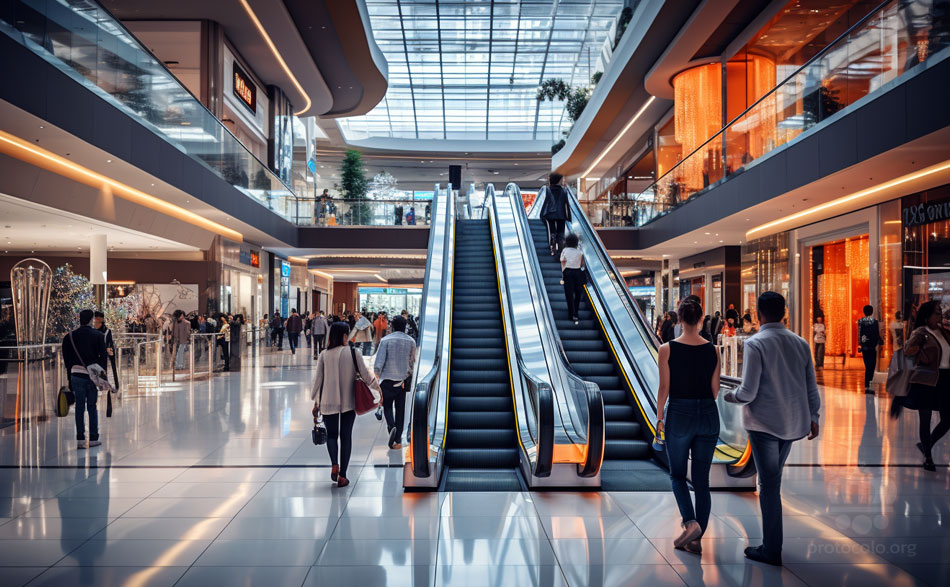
365, 401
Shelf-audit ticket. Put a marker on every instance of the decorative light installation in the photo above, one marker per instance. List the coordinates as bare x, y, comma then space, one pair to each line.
31, 280
697, 103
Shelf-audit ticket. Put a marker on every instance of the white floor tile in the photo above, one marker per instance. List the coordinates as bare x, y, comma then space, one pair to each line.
371, 575
261, 553
163, 529
621, 575
136, 553
397, 553
109, 576
496, 551
481, 575
244, 575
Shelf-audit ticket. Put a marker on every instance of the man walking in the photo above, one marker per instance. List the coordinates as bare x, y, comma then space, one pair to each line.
781, 406
319, 333
393, 367
277, 331
819, 337
381, 325
294, 328
869, 336
83, 347
181, 338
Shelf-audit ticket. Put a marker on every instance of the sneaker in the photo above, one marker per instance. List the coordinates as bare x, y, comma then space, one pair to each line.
81, 445
693, 547
757, 554
93, 443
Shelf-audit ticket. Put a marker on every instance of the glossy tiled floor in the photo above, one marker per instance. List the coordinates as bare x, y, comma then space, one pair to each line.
218, 484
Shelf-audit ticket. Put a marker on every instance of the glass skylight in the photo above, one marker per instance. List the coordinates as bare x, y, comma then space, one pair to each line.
463, 69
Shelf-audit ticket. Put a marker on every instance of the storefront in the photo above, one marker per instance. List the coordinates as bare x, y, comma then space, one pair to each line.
392, 300
926, 249
241, 279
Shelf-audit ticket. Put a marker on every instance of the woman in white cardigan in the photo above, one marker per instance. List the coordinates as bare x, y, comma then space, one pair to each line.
333, 396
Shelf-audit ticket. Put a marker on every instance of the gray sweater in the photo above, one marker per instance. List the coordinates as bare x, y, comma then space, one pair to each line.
778, 384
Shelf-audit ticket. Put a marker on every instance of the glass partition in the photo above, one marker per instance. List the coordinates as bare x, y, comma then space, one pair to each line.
363, 212
83, 40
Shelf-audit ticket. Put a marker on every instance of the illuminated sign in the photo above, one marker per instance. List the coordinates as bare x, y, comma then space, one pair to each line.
245, 89
249, 257
255, 259
284, 269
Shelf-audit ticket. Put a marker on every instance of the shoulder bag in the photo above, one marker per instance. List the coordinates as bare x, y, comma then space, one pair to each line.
365, 402
319, 432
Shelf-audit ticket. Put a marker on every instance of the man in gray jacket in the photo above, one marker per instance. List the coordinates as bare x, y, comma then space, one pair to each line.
318, 331
781, 406
181, 338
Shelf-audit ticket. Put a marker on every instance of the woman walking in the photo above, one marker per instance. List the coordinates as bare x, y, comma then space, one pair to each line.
689, 377
572, 267
930, 379
334, 398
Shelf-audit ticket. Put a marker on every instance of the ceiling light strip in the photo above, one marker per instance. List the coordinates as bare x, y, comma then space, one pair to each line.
945, 166
273, 48
619, 136
24, 151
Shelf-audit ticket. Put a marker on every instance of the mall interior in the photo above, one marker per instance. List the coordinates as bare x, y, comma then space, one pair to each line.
220, 179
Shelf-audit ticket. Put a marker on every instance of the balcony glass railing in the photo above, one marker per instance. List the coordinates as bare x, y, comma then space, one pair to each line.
86, 42
363, 212
887, 43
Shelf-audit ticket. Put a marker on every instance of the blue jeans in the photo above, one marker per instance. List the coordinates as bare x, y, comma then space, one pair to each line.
770, 453
180, 355
692, 429
293, 338
366, 348
86, 395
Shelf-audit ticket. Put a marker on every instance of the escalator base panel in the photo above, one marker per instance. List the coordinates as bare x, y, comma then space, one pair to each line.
633, 476
482, 480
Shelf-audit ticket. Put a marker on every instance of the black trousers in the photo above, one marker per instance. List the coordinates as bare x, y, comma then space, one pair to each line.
340, 426
277, 337
556, 232
932, 399
574, 280
869, 354
226, 351
394, 395
319, 341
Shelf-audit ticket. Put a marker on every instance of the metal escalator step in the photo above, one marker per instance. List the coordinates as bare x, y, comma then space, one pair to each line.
582, 345
628, 449
458, 479
481, 458
587, 370
492, 333
580, 335
480, 389
605, 381
479, 365
589, 357
481, 438
465, 342
569, 325
464, 403
614, 397
617, 429
463, 315
484, 376
459, 419
619, 412
479, 353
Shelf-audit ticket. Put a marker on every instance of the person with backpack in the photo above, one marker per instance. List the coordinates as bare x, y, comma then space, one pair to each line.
556, 212
308, 328
363, 334
277, 331
335, 399
83, 350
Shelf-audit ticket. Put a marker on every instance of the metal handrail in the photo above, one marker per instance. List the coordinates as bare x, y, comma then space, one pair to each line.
420, 434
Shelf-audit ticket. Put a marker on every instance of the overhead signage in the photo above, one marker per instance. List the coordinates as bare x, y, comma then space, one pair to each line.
926, 212
244, 88
285, 269
255, 259
244, 256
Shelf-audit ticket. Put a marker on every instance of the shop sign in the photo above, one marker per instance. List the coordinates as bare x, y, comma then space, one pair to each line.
285, 269
244, 256
926, 213
255, 259
244, 88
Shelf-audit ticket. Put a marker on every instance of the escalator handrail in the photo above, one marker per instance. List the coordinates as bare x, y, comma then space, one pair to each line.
420, 438
594, 435
543, 403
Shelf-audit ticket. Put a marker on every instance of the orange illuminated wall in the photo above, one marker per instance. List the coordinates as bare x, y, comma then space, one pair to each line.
843, 291
697, 116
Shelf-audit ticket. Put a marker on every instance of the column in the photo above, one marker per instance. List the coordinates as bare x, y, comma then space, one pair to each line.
98, 276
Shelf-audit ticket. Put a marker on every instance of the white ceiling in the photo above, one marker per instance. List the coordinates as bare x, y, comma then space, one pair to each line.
28, 226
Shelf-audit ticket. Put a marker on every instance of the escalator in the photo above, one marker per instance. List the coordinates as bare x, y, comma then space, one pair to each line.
628, 457
481, 446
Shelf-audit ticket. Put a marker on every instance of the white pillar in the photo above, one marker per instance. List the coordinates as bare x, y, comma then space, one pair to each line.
98, 275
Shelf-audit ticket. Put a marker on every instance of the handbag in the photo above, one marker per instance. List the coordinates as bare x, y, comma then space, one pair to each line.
319, 433
365, 401
898, 374
95, 371
64, 399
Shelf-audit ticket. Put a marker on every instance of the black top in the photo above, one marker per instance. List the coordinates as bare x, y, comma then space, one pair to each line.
691, 370
555, 204
91, 345
869, 333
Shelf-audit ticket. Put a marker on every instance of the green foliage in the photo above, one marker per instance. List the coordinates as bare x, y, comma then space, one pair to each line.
557, 146
595, 79
577, 102
554, 89
626, 15
352, 177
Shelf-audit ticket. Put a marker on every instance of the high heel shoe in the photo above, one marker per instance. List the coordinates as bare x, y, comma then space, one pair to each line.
343, 482
334, 472
693, 547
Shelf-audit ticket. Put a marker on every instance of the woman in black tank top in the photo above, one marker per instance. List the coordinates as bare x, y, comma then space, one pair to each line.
689, 379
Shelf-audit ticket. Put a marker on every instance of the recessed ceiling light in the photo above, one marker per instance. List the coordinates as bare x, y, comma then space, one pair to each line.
41, 126
108, 160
